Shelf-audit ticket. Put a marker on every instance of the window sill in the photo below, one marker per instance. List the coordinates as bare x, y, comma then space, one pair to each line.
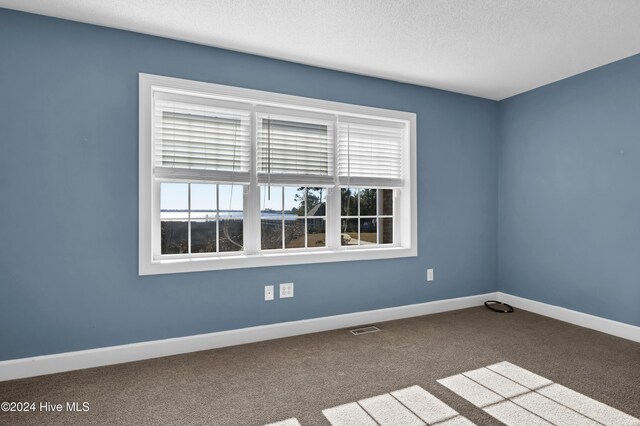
172, 266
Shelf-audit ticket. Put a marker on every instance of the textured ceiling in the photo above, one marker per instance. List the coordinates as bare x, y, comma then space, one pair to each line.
488, 48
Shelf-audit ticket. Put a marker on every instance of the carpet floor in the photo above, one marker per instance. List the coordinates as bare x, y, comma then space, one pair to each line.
299, 377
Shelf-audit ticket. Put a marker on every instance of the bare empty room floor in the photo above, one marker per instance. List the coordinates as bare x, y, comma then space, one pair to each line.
301, 376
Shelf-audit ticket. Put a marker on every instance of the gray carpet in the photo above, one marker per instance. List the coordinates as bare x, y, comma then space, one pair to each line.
301, 376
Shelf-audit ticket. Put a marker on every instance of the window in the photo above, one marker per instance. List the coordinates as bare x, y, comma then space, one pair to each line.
234, 178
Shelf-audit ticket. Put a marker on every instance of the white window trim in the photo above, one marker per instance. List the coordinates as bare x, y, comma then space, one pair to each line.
405, 203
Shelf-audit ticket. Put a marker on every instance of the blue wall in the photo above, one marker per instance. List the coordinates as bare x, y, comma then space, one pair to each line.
569, 193
69, 195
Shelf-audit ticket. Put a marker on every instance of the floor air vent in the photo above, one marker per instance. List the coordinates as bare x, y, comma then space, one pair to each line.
364, 330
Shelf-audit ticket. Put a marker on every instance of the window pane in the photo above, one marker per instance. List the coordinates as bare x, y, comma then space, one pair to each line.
271, 199
271, 217
231, 234
368, 231
271, 229
174, 201
349, 205
294, 200
386, 230
231, 200
203, 237
174, 238
203, 201
349, 232
316, 201
368, 202
231, 215
316, 233
386, 202
294, 233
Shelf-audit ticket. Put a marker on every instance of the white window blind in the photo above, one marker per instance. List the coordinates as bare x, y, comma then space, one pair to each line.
202, 142
370, 155
294, 151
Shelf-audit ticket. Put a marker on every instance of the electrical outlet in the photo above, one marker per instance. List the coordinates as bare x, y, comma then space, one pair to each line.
286, 290
268, 292
429, 274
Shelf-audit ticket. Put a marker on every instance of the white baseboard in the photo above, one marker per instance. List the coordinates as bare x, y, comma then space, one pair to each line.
619, 329
57, 363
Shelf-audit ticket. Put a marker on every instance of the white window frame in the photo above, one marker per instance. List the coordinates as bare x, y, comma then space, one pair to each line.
405, 198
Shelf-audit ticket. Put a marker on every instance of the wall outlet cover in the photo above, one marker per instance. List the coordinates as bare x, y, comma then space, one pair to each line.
286, 290
429, 274
268, 292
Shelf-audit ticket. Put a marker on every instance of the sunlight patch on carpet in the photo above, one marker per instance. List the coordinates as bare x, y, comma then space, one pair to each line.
348, 414
509, 393
289, 422
516, 396
409, 406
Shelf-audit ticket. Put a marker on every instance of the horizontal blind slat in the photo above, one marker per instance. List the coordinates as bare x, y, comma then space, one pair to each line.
219, 176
